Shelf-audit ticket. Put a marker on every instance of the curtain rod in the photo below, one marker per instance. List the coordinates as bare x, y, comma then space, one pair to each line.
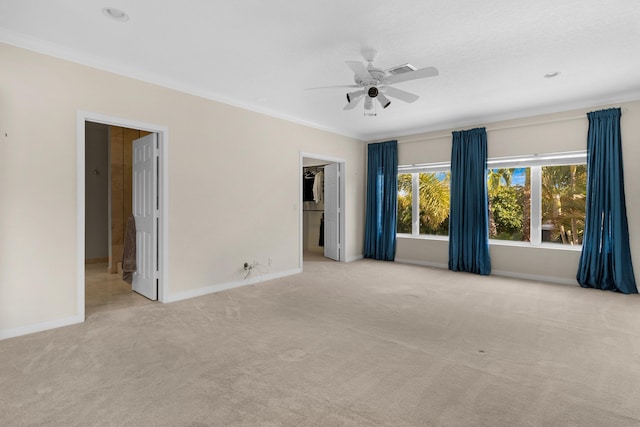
490, 129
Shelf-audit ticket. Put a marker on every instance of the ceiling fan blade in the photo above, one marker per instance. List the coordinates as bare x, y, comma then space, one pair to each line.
359, 70
332, 87
400, 94
412, 75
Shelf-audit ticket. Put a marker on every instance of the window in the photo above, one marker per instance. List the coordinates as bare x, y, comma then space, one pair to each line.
429, 215
564, 196
434, 202
532, 199
509, 191
405, 193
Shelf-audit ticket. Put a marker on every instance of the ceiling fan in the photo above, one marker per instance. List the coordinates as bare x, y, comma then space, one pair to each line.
375, 83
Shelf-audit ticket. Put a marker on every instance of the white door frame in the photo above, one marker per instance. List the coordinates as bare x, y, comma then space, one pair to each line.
163, 138
341, 200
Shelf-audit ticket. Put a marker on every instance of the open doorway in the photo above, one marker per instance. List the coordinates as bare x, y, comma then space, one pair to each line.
322, 225
108, 194
108, 205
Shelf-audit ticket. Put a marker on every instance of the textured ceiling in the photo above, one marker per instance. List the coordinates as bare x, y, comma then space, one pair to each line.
262, 55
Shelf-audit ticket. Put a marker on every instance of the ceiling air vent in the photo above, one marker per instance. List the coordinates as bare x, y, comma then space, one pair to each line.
401, 69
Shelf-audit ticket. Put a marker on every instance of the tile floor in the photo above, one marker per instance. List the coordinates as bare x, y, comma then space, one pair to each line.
106, 292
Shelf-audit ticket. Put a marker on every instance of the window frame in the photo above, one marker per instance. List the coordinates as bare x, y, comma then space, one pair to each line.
534, 162
415, 171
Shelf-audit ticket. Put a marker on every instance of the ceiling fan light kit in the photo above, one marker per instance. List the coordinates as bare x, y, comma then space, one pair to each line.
368, 106
355, 96
376, 83
384, 101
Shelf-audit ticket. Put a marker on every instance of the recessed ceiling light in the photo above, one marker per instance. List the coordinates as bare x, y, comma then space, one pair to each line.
552, 74
116, 14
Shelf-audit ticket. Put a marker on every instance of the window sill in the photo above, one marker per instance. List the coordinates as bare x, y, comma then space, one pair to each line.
494, 242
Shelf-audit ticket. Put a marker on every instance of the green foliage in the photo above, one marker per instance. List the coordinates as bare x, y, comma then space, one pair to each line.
564, 190
404, 203
433, 203
497, 178
506, 205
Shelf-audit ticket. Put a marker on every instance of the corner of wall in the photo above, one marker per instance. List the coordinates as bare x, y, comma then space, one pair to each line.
40, 327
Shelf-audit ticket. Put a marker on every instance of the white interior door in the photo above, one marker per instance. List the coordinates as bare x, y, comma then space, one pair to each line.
332, 211
146, 205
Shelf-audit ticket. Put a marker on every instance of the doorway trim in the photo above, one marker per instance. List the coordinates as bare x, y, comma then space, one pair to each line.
163, 182
341, 200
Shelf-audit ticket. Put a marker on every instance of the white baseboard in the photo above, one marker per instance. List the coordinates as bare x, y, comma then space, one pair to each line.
230, 285
502, 273
354, 258
422, 263
39, 327
44, 326
536, 277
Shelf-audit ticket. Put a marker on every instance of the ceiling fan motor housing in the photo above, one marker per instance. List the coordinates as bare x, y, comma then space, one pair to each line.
376, 74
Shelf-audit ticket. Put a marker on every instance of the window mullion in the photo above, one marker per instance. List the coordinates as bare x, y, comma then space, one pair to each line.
415, 204
536, 205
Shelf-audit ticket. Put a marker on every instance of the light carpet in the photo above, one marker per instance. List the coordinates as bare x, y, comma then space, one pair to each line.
367, 343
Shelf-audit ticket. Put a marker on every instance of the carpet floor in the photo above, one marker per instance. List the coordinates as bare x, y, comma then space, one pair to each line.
361, 344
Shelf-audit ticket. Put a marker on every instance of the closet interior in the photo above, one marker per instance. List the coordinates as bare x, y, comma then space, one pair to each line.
313, 208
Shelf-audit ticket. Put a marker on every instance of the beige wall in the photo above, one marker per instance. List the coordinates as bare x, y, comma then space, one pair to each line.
233, 183
565, 131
